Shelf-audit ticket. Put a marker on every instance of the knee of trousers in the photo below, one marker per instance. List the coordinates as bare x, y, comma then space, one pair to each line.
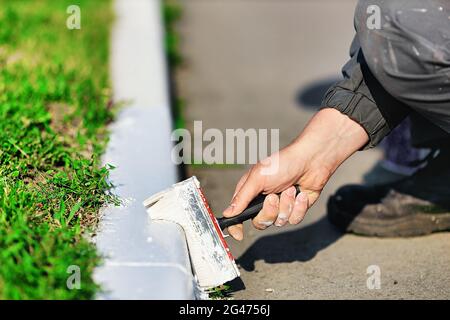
405, 44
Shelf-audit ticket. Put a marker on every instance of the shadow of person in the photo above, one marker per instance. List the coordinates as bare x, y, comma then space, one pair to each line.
380, 175
298, 245
311, 96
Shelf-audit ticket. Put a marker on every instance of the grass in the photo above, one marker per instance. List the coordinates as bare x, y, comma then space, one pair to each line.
172, 12
54, 105
222, 292
171, 15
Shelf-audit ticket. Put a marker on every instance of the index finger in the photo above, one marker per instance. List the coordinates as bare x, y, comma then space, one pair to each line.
249, 190
240, 184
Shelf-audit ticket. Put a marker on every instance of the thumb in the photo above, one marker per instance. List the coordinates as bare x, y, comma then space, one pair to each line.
243, 197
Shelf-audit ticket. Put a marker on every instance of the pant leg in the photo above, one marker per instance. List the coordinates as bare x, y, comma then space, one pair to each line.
425, 134
410, 57
361, 97
399, 70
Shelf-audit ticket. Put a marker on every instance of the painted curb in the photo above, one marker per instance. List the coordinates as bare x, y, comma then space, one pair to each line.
144, 260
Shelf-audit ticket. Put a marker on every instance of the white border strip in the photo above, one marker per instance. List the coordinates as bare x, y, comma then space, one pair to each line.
144, 260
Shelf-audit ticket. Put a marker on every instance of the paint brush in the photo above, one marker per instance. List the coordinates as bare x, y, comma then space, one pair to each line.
185, 204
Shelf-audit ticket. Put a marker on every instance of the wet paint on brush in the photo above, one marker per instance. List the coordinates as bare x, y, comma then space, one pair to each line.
216, 225
185, 204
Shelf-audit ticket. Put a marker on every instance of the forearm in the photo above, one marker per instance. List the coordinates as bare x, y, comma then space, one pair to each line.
330, 138
309, 161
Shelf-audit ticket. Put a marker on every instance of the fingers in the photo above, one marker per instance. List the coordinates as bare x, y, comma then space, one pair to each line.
236, 231
249, 190
268, 213
241, 199
240, 184
276, 210
287, 200
299, 209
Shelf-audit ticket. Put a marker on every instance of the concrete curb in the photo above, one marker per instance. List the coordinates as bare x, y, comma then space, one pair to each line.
144, 260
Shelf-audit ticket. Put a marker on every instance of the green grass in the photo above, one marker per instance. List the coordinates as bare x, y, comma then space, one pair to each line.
171, 15
172, 12
54, 105
222, 292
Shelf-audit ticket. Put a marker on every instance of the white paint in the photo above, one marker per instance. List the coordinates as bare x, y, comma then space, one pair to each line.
281, 219
392, 56
282, 215
265, 223
139, 69
144, 260
183, 204
420, 10
150, 264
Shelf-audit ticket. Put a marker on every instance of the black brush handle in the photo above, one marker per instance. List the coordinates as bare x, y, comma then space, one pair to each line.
250, 212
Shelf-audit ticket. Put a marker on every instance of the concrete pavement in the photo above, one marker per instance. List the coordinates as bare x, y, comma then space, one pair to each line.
263, 64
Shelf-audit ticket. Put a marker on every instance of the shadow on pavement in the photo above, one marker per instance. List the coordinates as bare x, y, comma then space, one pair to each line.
311, 96
298, 245
379, 175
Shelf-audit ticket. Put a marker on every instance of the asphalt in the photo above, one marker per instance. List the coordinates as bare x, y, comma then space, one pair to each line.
265, 64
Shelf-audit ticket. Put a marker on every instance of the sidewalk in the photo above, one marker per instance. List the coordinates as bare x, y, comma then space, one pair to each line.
247, 64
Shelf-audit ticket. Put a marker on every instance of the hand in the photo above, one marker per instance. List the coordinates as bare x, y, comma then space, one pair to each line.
309, 161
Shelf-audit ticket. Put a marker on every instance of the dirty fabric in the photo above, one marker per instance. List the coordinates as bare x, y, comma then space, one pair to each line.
399, 70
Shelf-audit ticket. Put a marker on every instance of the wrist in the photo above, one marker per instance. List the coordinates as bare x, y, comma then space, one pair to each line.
329, 139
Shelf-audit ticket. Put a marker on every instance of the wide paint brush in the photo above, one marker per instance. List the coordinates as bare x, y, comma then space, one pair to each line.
185, 204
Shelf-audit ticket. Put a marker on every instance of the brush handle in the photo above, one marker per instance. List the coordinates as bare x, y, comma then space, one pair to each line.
250, 212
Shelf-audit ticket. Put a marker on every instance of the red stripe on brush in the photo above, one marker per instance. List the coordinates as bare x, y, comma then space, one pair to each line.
216, 225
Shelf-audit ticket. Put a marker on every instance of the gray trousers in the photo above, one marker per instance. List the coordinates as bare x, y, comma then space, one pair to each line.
399, 69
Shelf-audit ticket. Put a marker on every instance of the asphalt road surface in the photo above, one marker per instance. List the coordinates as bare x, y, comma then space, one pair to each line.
265, 64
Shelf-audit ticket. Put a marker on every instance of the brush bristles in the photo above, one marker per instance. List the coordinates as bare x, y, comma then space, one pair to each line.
183, 204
